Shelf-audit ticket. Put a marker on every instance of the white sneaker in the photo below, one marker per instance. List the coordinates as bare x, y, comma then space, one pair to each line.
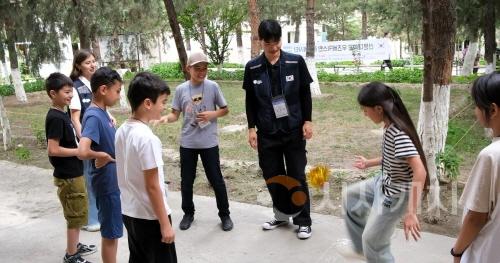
92, 228
304, 232
345, 248
270, 225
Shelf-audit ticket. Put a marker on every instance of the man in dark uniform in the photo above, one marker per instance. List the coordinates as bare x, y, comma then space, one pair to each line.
278, 104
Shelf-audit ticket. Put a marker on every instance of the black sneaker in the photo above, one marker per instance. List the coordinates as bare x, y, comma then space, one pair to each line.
85, 249
227, 223
76, 258
273, 224
304, 232
186, 222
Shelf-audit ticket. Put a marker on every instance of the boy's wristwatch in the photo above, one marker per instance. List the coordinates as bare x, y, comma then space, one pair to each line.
457, 255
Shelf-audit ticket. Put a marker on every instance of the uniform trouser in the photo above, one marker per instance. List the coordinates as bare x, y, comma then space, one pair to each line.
87, 168
144, 242
386, 63
369, 222
211, 164
276, 151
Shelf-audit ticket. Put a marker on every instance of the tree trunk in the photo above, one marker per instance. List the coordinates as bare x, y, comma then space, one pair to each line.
343, 26
123, 97
3, 66
364, 25
296, 36
187, 41
310, 48
81, 24
96, 47
410, 48
14, 66
439, 26
203, 41
239, 44
176, 31
253, 12
4, 122
469, 58
489, 36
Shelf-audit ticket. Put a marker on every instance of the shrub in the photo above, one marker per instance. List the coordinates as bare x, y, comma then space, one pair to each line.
6, 90
449, 162
168, 70
33, 86
226, 75
22, 153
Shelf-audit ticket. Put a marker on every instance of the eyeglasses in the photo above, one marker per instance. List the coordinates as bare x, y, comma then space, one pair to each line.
196, 99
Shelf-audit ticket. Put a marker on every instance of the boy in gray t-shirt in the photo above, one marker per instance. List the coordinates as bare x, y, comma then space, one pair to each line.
201, 103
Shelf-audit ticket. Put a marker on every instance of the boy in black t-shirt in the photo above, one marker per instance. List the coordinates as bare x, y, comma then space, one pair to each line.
62, 149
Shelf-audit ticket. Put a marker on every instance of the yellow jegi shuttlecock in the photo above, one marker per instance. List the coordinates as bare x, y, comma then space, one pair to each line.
318, 176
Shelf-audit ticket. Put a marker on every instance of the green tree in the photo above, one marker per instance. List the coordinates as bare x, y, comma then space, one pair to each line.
219, 19
35, 25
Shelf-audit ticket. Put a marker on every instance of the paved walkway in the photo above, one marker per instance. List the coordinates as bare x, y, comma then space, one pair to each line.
28, 238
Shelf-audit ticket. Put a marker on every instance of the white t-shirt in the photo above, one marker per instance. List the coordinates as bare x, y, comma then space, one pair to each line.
482, 194
75, 101
138, 149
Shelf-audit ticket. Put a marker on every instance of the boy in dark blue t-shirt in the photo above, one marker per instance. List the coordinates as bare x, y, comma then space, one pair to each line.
98, 144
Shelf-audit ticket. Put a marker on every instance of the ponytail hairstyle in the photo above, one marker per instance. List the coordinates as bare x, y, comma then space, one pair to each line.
81, 55
378, 94
486, 91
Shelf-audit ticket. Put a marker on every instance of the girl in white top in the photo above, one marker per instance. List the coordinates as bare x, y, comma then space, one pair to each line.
479, 237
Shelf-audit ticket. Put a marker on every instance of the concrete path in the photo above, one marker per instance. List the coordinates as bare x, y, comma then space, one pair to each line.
26, 237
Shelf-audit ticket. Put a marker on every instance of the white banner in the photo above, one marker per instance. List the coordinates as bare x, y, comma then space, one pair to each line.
364, 49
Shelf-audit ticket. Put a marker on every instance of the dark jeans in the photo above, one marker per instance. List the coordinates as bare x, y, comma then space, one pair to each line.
274, 152
144, 242
386, 63
211, 163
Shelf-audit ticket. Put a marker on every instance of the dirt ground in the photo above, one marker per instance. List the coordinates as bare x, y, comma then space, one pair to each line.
243, 178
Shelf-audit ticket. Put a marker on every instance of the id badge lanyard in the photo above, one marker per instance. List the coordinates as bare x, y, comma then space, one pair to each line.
279, 102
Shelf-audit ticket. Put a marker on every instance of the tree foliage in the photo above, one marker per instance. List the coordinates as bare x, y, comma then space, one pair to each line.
218, 21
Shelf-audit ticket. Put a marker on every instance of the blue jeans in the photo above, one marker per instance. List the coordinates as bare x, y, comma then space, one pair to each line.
371, 218
87, 167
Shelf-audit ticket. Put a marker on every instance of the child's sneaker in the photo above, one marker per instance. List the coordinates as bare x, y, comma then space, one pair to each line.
92, 228
76, 258
86, 249
273, 224
304, 232
345, 248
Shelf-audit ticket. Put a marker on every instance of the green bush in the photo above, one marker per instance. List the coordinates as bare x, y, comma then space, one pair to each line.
449, 161
6, 90
394, 76
334, 64
227, 65
22, 153
465, 79
37, 85
129, 75
226, 75
168, 70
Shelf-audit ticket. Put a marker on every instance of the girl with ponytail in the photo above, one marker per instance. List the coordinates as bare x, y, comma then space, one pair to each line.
373, 207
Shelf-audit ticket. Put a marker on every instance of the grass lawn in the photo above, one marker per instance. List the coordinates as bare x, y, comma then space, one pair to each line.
340, 129
340, 132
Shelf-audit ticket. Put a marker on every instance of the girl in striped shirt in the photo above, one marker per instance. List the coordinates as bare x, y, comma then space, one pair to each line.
373, 207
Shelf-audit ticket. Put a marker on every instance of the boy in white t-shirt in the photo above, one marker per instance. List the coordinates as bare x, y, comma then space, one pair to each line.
139, 164
479, 236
